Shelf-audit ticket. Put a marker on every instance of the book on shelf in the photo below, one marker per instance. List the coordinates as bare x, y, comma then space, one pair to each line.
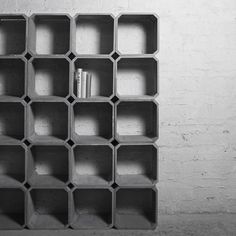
78, 78
83, 83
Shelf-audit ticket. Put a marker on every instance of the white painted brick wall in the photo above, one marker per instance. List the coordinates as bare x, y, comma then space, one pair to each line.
197, 95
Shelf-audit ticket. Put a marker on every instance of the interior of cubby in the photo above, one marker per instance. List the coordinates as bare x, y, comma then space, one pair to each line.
48, 121
92, 165
47, 208
49, 34
12, 204
136, 164
137, 34
94, 34
92, 208
141, 73
49, 77
12, 165
48, 165
136, 121
136, 208
12, 34
11, 121
12, 77
92, 122
101, 70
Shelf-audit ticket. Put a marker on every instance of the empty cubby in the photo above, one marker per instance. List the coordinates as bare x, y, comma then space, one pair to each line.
92, 122
92, 165
12, 34
48, 165
136, 208
49, 34
137, 121
49, 77
48, 121
47, 208
12, 77
12, 205
136, 164
94, 34
137, 34
91, 208
11, 121
12, 165
137, 77
101, 70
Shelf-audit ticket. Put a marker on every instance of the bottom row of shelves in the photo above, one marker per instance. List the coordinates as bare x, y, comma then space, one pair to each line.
78, 208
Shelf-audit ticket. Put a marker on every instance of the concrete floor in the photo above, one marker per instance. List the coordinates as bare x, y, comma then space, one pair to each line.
174, 225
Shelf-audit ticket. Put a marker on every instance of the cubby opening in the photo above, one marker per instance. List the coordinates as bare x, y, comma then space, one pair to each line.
48, 208
137, 77
12, 34
11, 121
136, 208
137, 121
12, 77
48, 121
101, 71
50, 34
92, 208
136, 165
94, 34
12, 165
92, 122
12, 204
92, 165
137, 34
49, 77
48, 165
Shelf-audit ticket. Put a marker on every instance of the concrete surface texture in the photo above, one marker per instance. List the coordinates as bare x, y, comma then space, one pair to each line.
197, 164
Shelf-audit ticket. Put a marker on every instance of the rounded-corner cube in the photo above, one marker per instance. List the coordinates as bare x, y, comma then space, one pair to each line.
48, 165
94, 34
137, 34
13, 30
92, 122
136, 208
48, 121
137, 121
136, 164
92, 208
49, 77
92, 165
50, 34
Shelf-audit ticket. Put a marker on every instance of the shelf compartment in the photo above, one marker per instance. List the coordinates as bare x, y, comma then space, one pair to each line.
101, 70
11, 121
137, 77
12, 34
12, 204
47, 121
136, 164
92, 208
12, 165
137, 121
50, 34
94, 34
49, 77
12, 77
48, 165
92, 165
137, 34
136, 208
92, 122
47, 208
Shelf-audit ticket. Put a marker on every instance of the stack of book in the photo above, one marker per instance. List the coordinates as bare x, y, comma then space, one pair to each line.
83, 83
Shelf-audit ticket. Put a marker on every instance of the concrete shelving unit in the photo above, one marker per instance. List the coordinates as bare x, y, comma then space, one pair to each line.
70, 162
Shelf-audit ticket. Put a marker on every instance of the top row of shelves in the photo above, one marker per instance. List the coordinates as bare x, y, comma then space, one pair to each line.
84, 34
